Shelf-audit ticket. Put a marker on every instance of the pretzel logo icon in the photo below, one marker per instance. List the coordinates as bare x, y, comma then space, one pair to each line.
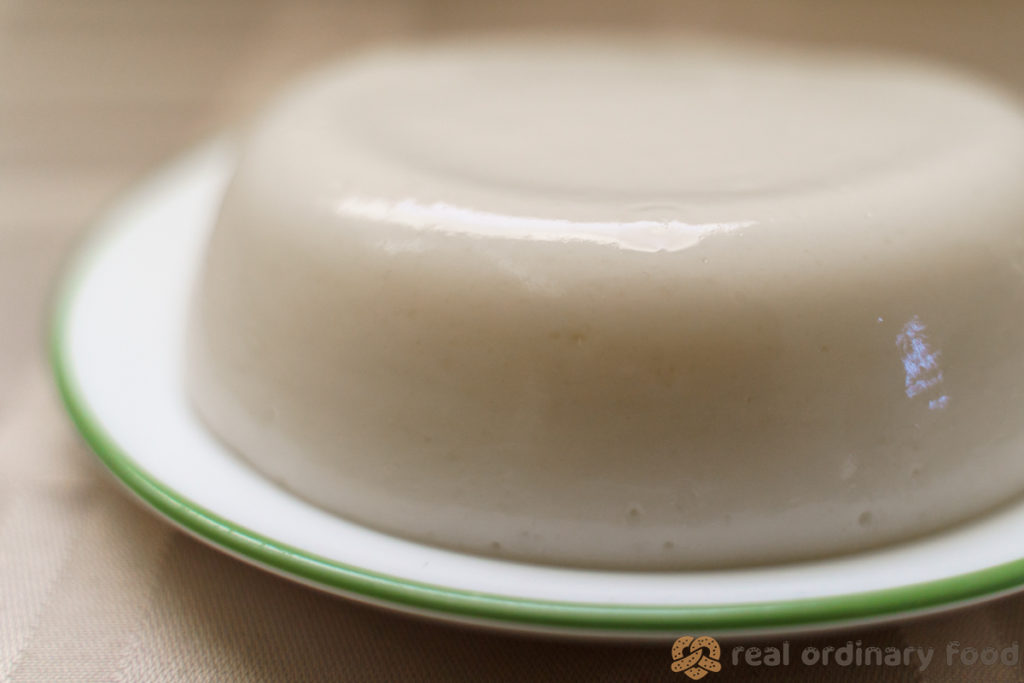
696, 657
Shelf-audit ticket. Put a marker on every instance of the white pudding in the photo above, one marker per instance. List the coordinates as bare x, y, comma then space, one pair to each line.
625, 303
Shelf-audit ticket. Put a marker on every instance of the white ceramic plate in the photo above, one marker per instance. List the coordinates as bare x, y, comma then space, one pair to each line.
117, 355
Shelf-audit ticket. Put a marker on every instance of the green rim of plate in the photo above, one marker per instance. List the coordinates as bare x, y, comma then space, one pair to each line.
402, 593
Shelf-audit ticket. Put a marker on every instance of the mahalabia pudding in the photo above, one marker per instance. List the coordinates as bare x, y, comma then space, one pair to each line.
631, 303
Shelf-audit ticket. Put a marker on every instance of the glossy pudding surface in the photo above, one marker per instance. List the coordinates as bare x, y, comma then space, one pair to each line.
625, 302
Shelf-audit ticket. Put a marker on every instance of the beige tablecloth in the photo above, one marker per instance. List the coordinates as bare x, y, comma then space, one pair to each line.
92, 586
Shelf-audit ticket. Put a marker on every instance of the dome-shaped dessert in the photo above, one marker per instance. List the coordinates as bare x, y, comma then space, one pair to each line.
625, 303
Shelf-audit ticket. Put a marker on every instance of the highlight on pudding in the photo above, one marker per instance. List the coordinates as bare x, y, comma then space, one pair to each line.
625, 302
